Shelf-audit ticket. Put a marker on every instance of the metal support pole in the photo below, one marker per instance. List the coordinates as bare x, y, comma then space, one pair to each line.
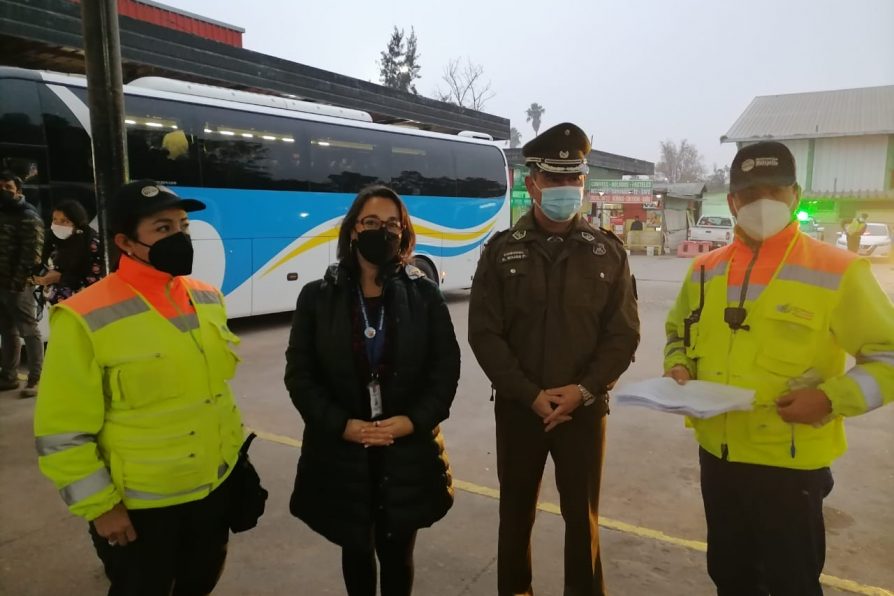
102, 53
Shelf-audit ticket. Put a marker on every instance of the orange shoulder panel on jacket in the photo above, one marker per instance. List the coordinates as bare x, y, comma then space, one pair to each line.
107, 291
714, 258
820, 256
195, 284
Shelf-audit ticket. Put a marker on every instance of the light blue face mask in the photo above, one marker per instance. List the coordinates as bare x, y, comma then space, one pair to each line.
561, 203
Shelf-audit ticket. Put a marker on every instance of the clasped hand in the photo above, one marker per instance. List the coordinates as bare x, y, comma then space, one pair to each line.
556, 405
380, 433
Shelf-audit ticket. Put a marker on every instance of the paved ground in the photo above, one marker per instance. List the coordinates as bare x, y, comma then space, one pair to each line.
651, 504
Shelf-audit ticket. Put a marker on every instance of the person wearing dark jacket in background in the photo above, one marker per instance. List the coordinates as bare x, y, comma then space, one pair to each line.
21, 242
72, 255
372, 366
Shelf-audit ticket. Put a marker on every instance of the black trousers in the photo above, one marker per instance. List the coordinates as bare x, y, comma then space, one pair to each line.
577, 451
766, 534
394, 548
179, 550
395, 553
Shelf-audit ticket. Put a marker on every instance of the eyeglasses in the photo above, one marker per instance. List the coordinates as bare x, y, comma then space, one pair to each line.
374, 223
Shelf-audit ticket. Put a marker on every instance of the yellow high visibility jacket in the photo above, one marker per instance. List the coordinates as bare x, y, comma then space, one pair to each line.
808, 304
134, 406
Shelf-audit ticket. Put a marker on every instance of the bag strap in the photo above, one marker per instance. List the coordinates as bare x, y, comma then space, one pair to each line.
243, 451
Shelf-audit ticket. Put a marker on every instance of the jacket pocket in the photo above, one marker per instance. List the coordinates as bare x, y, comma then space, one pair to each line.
143, 380
590, 289
791, 351
225, 357
515, 277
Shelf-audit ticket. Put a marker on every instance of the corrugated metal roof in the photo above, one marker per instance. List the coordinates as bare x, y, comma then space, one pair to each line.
681, 190
846, 112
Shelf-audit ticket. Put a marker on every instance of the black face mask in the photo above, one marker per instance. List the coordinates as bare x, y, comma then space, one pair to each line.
7, 197
172, 254
378, 246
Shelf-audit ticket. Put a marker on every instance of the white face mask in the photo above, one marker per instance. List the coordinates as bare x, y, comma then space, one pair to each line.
763, 218
61, 232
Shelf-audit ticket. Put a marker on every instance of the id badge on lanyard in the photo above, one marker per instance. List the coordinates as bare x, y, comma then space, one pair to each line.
375, 345
375, 397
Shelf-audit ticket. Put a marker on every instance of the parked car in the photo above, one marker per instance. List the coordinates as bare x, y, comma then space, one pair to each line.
875, 242
810, 227
716, 229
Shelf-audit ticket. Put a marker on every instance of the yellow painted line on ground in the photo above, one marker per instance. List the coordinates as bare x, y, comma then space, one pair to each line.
846, 585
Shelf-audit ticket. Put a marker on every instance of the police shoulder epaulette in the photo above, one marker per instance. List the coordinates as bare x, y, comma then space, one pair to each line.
611, 236
414, 272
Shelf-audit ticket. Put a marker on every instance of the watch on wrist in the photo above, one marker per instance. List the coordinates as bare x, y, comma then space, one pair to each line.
588, 398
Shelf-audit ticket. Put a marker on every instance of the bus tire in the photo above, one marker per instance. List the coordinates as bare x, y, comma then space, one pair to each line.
428, 268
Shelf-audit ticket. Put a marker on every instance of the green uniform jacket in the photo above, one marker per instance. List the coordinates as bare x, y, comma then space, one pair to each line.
543, 316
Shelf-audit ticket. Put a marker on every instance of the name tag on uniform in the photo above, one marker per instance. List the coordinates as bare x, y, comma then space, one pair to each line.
513, 255
375, 398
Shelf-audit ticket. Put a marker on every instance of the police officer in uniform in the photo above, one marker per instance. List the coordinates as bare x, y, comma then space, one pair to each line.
553, 323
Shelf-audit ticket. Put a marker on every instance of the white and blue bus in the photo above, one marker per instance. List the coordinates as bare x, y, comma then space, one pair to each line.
277, 174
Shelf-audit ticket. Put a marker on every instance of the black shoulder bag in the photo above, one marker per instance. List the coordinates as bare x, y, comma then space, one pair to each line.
247, 497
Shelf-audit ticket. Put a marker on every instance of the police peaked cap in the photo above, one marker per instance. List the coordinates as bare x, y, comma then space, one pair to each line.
562, 149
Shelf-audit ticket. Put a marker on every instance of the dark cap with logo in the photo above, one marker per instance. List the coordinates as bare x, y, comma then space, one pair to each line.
141, 198
763, 164
562, 149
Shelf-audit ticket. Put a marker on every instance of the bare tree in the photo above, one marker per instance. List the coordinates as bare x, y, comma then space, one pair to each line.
465, 85
514, 138
681, 163
534, 113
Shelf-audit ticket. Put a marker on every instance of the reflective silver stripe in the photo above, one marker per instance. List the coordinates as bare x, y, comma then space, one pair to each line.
670, 351
673, 338
186, 322
821, 279
205, 296
139, 494
710, 274
49, 444
880, 357
734, 293
222, 469
872, 392
106, 315
86, 487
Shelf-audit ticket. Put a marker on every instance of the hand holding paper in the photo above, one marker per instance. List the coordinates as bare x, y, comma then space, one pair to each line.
699, 399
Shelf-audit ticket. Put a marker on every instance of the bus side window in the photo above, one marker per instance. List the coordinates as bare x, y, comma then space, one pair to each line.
20, 113
69, 150
159, 144
482, 179
343, 159
421, 166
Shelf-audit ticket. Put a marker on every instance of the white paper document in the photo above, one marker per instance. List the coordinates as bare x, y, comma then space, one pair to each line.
699, 399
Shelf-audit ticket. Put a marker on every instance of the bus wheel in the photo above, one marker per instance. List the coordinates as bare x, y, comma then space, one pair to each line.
427, 268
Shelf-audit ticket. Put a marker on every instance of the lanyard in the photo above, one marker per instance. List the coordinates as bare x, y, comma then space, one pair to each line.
373, 338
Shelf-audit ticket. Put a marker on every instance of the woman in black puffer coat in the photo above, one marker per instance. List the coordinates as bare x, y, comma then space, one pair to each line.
372, 366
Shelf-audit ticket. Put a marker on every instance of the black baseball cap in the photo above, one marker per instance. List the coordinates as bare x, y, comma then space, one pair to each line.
141, 198
767, 163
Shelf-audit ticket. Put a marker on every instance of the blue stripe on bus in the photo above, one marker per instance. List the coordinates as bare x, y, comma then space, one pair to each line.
280, 217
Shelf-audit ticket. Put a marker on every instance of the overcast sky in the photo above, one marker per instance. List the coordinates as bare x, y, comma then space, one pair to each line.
629, 72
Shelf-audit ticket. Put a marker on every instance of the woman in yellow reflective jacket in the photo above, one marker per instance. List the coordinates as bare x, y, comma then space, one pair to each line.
135, 422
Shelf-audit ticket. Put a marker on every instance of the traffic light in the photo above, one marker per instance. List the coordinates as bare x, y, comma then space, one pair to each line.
802, 215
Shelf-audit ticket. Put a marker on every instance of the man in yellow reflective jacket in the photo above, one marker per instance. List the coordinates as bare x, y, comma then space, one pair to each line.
776, 312
135, 422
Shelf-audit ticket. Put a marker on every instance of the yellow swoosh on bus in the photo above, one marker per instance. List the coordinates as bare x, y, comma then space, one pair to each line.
321, 238
421, 230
